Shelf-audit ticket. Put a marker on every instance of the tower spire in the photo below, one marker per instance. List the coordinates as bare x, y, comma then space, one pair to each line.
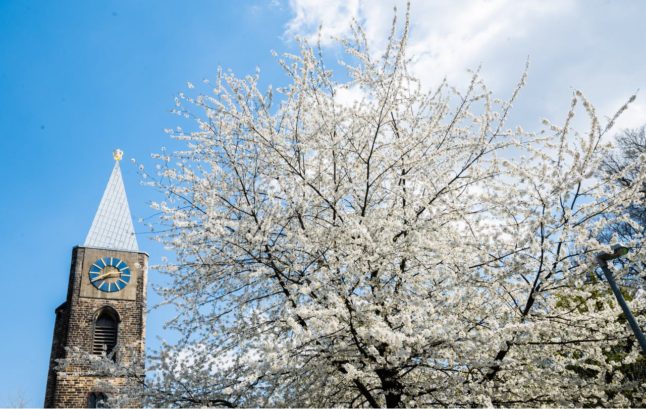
112, 226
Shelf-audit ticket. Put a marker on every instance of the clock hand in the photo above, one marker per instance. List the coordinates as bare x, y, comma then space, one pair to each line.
105, 275
98, 278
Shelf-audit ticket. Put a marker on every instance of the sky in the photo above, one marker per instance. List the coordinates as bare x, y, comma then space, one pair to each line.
79, 79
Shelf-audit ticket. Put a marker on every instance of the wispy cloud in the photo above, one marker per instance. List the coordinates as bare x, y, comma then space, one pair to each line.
589, 45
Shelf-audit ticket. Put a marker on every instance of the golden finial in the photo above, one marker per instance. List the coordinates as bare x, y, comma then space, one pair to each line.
117, 154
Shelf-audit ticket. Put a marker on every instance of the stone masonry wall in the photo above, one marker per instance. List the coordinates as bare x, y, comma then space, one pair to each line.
74, 328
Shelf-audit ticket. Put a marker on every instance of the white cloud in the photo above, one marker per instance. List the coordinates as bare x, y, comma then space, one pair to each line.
446, 35
334, 17
589, 45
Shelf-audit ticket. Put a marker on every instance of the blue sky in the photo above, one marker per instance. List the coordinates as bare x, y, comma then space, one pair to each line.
81, 78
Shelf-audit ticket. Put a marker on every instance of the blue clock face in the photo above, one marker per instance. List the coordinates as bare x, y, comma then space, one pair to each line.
110, 274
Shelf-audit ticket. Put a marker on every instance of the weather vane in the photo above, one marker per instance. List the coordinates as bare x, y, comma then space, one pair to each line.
117, 154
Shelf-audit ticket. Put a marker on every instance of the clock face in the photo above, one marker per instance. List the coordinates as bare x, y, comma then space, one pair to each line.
110, 274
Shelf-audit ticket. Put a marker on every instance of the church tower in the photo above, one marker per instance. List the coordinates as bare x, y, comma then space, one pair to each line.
104, 315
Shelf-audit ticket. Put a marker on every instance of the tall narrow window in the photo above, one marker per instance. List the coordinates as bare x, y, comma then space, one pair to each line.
106, 329
97, 400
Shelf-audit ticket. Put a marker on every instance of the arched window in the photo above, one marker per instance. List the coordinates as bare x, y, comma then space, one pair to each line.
97, 400
106, 331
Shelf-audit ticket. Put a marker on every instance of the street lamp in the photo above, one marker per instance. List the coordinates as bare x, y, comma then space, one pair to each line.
602, 260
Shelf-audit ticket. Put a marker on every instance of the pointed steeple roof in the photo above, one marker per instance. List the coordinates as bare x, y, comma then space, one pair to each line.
112, 225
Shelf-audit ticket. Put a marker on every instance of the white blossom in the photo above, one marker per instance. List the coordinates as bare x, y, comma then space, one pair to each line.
372, 243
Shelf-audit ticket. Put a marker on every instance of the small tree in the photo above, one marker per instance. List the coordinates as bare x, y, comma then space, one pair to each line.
628, 225
403, 249
624, 167
18, 400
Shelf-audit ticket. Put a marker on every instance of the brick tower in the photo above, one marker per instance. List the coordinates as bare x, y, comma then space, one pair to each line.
103, 316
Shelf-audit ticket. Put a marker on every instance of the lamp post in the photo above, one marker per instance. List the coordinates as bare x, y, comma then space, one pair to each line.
602, 260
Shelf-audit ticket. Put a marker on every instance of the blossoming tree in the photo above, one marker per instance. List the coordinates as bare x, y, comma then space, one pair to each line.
405, 247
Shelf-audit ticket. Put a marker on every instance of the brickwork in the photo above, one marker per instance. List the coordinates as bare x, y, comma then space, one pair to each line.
74, 327
73, 389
